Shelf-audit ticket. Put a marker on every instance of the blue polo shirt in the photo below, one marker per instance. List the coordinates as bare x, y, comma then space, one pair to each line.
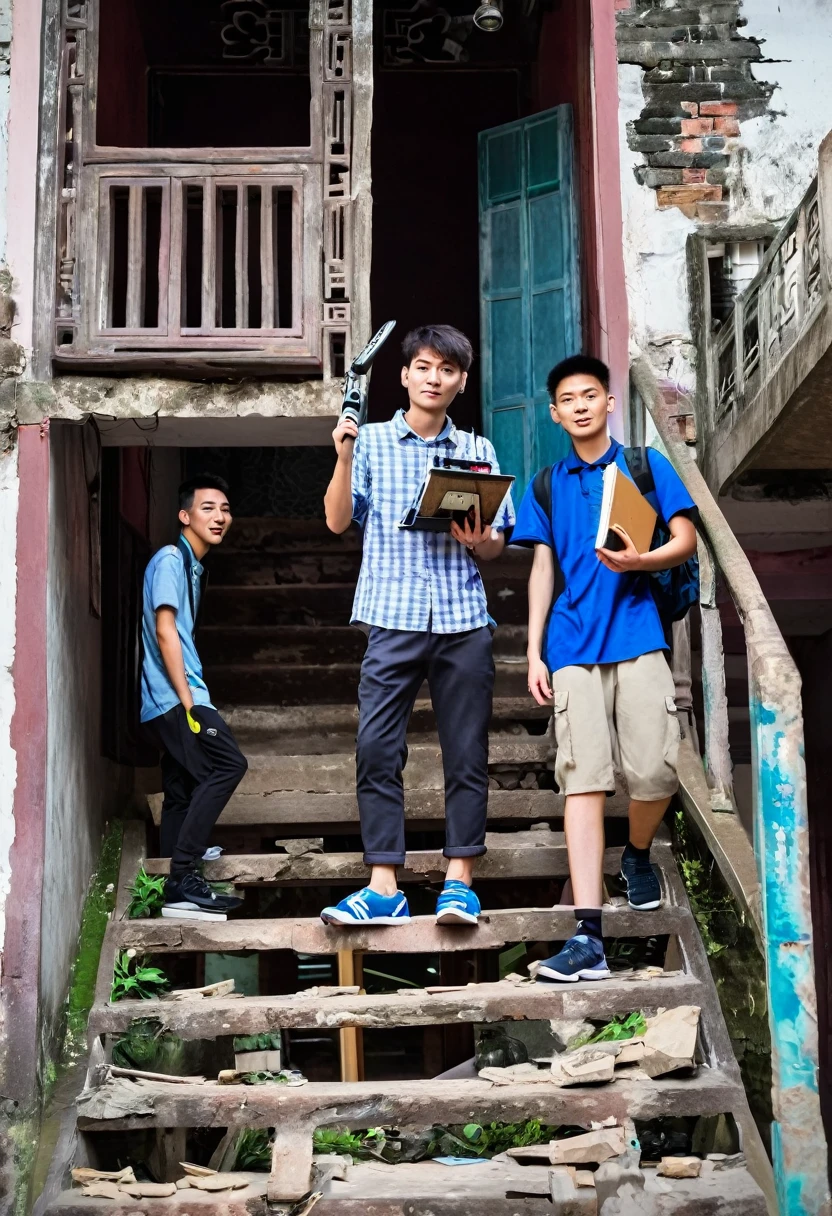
165, 586
601, 616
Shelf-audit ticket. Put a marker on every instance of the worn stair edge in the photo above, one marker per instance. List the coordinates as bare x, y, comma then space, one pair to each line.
725, 837
120, 1105
208, 1019
509, 861
291, 809
277, 719
422, 936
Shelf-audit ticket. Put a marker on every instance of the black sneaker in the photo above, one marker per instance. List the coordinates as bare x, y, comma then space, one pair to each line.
644, 892
189, 897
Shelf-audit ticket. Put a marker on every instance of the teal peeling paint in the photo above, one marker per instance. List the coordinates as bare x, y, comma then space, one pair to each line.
781, 845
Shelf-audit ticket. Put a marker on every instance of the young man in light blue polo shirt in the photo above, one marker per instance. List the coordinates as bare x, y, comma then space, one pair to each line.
201, 762
597, 652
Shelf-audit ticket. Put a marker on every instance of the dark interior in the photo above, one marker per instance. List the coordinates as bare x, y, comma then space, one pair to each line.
203, 73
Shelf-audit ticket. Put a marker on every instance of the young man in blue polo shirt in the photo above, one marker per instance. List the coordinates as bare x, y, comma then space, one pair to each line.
201, 762
421, 598
598, 654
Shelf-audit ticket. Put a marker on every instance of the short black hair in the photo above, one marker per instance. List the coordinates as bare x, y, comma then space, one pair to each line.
449, 343
203, 481
577, 365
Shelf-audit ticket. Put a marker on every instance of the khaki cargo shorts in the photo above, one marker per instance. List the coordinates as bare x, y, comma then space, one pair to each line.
617, 716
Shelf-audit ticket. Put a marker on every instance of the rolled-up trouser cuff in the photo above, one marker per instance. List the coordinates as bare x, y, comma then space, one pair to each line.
470, 850
384, 859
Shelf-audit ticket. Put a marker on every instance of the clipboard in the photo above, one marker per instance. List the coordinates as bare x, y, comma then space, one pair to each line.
449, 494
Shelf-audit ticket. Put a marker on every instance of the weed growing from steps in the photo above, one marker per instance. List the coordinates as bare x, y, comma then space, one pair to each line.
149, 1046
622, 1027
486, 1140
147, 895
736, 964
133, 978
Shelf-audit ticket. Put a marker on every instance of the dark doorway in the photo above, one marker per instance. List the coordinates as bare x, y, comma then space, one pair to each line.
439, 82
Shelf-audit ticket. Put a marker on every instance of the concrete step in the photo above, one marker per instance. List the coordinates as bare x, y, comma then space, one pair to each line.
255, 568
474, 1003
330, 603
122, 1105
517, 855
299, 683
313, 644
291, 726
270, 534
288, 811
496, 930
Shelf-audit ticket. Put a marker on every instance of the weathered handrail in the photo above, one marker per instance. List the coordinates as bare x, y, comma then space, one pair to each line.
781, 843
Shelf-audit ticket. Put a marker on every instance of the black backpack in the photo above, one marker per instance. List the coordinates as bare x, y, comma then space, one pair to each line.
675, 591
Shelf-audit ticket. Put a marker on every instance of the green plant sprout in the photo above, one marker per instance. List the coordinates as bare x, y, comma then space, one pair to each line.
132, 978
147, 895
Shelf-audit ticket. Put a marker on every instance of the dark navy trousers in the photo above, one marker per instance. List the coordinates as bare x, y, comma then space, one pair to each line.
459, 669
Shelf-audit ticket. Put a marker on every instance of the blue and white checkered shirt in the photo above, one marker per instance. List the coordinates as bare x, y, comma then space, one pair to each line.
409, 579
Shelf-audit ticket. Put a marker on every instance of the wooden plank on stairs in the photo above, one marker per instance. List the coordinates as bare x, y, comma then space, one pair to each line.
290, 809
519, 859
122, 1105
495, 930
209, 1019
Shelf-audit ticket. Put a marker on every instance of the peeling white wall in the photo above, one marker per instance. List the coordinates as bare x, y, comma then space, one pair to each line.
8, 588
774, 163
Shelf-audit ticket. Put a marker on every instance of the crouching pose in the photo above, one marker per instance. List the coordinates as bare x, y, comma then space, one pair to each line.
598, 653
201, 762
421, 599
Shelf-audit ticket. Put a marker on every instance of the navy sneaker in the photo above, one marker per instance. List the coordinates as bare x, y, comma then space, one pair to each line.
189, 897
582, 958
457, 905
644, 892
367, 907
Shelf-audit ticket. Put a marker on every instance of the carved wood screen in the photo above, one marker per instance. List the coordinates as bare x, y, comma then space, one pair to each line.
191, 255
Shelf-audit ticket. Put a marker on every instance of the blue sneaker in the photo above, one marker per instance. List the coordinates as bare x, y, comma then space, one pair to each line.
644, 892
457, 905
582, 958
367, 907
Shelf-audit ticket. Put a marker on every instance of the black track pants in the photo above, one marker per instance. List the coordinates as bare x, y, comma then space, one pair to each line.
200, 772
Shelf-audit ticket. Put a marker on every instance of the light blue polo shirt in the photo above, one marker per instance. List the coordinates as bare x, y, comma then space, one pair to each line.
165, 586
601, 616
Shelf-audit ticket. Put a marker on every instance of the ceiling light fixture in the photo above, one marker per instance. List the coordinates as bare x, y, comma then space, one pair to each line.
489, 16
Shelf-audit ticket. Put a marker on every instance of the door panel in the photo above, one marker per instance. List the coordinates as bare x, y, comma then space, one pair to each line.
529, 278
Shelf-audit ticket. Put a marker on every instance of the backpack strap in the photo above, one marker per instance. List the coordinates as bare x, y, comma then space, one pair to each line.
185, 554
542, 490
639, 465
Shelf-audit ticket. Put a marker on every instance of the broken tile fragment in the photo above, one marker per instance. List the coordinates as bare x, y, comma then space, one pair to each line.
586, 1066
679, 1167
670, 1040
592, 1148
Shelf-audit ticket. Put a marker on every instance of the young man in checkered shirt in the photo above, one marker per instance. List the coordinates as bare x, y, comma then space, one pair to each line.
421, 600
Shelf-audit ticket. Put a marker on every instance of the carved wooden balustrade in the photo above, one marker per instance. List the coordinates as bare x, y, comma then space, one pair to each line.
214, 256
770, 315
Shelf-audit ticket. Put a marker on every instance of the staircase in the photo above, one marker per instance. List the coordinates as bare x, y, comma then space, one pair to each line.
284, 667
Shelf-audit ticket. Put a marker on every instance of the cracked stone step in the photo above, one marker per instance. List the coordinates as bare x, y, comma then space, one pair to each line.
517, 855
232, 643
271, 722
335, 773
122, 1105
209, 1019
289, 810
495, 931
293, 683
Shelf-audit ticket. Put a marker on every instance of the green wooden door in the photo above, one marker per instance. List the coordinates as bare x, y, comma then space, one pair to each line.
529, 284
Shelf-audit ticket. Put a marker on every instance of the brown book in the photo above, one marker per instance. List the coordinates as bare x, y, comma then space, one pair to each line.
625, 505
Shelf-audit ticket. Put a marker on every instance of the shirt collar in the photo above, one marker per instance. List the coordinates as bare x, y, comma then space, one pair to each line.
574, 463
403, 430
188, 552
